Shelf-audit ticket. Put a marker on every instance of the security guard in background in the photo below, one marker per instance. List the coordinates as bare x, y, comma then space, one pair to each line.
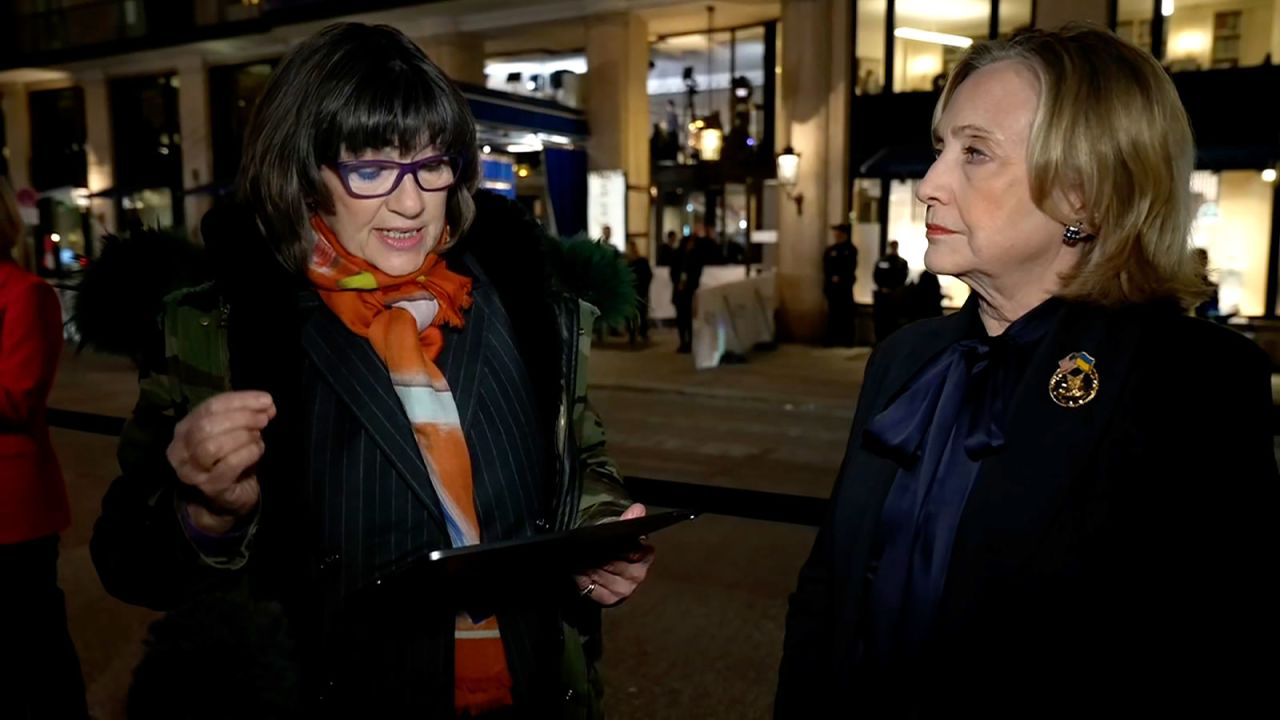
839, 263
891, 277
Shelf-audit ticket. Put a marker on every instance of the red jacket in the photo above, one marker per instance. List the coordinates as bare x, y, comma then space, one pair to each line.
33, 496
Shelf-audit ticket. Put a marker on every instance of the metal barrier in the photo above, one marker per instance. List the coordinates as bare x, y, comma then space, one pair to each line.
707, 499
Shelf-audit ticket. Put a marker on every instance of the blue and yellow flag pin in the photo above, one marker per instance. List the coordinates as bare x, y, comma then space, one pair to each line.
1075, 382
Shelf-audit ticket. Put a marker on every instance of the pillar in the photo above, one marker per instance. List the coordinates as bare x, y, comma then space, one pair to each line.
98, 148
618, 110
460, 56
197, 138
815, 90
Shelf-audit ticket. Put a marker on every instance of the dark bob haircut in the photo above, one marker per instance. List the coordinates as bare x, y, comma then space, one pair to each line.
350, 87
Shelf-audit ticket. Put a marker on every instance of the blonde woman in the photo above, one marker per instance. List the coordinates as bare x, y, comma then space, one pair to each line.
1057, 500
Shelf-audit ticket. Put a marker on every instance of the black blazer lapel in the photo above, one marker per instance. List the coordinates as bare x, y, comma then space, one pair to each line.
360, 378
1020, 490
486, 374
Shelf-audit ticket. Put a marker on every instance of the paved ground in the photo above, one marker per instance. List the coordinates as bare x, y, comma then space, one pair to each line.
703, 637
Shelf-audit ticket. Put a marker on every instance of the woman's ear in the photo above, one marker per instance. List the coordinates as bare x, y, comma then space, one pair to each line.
1071, 209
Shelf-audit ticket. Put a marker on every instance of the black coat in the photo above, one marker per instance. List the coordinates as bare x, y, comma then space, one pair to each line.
1112, 555
839, 270
346, 499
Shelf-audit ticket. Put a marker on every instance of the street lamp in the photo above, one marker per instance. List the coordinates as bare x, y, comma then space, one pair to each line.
789, 175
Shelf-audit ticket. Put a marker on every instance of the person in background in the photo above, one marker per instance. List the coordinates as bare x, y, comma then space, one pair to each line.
925, 297
671, 119
1209, 309
639, 264
839, 265
39, 670
606, 235
668, 249
890, 276
686, 276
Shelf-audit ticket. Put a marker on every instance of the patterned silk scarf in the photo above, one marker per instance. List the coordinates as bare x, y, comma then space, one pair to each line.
401, 317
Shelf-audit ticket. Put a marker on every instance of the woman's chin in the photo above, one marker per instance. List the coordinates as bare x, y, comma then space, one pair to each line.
942, 261
399, 263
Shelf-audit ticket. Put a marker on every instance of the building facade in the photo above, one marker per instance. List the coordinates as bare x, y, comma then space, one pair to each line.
133, 111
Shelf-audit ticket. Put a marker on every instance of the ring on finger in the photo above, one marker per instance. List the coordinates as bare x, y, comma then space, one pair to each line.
586, 592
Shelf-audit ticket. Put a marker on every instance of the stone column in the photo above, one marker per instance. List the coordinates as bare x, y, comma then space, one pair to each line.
618, 110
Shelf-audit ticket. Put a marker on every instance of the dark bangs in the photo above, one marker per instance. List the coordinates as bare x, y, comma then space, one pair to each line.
354, 87
391, 96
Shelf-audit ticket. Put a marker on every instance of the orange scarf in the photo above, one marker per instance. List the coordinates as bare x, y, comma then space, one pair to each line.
401, 317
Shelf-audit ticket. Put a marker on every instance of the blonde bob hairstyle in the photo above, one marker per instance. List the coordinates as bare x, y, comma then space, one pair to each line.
1110, 147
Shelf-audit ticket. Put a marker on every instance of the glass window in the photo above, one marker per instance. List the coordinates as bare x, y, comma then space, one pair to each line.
61, 232
1220, 34
866, 236
1015, 15
150, 208
146, 130
58, 138
930, 37
869, 47
1233, 224
233, 92
906, 225
734, 231
1133, 22
691, 87
745, 120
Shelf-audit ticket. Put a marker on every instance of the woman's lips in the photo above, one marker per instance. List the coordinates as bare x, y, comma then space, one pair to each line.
400, 238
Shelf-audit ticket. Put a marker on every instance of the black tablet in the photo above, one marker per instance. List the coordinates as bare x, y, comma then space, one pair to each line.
577, 549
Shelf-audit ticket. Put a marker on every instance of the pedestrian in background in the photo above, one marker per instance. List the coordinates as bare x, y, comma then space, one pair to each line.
39, 669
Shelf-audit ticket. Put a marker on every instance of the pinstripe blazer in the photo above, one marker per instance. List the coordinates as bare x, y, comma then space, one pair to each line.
372, 507
347, 501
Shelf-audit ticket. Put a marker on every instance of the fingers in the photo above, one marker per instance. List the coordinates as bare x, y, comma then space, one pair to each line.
231, 467
251, 400
200, 426
634, 566
597, 591
619, 579
217, 444
216, 429
634, 511
240, 497
208, 452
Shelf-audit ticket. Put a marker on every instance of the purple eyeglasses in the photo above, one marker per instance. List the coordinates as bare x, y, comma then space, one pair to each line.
367, 179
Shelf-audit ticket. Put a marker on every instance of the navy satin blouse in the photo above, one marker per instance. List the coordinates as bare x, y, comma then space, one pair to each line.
939, 429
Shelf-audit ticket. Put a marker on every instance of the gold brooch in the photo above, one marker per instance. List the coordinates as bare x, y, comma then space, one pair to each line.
1075, 382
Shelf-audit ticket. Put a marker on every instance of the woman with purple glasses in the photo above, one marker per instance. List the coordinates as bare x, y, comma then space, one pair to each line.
382, 368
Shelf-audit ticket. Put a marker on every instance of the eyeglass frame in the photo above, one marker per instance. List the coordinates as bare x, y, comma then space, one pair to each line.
405, 168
